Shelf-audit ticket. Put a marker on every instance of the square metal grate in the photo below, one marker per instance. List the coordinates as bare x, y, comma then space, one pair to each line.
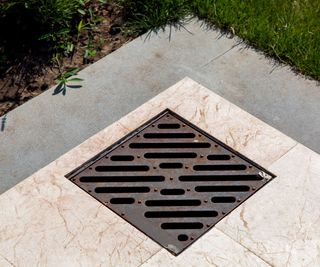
171, 180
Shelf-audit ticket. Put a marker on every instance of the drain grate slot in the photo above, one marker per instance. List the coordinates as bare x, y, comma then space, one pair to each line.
168, 135
227, 167
214, 178
122, 168
122, 190
122, 158
121, 179
223, 188
223, 199
175, 202
168, 145
179, 214
180, 225
185, 155
171, 180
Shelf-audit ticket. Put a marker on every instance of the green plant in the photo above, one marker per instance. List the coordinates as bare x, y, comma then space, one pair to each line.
143, 15
64, 79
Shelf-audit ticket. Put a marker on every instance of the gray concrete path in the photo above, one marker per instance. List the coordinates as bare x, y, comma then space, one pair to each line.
47, 126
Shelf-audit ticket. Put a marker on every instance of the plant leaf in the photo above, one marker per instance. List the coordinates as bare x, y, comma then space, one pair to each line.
75, 80
58, 89
74, 86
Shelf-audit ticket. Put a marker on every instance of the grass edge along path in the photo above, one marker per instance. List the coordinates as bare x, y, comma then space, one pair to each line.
288, 31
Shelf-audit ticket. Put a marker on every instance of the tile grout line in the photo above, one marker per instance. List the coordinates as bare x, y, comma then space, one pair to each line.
150, 257
251, 251
284, 154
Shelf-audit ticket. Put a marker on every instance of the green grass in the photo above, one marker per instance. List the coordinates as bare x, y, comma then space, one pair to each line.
284, 29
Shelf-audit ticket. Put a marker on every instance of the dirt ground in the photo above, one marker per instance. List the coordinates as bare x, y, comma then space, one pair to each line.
31, 71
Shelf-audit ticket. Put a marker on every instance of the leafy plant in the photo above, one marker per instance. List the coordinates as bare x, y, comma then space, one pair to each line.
64, 79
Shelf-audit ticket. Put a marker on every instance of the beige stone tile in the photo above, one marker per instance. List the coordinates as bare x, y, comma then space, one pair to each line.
217, 116
281, 223
51, 222
47, 221
213, 249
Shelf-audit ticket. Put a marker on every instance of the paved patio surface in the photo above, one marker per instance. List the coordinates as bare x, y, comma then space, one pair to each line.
47, 220
46, 127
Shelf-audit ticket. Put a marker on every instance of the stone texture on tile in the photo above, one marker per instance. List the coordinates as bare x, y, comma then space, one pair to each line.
281, 223
220, 118
46, 220
213, 249
5, 262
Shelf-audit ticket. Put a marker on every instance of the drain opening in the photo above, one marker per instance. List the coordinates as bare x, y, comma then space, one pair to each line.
227, 167
170, 155
169, 126
222, 188
218, 157
213, 178
168, 135
124, 200
173, 165
182, 225
122, 158
173, 202
120, 168
169, 145
168, 183
223, 199
174, 191
178, 214
183, 237
121, 179
122, 190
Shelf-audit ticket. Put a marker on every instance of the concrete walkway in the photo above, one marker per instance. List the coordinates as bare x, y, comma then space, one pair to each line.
46, 127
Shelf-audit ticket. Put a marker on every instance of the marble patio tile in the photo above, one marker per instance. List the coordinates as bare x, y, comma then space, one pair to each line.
51, 222
281, 223
219, 117
46, 220
213, 249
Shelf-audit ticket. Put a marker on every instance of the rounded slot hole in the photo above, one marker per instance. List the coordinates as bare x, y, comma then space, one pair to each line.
131, 168
183, 237
223, 188
174, 191
181, 214
182, 225
169, 145
168, 126
223, 199
172, 155
218, 157
124, 200
135, 189
226, 167
173, 202
208, 178
168, 135
122, 158
173, 165
121, 179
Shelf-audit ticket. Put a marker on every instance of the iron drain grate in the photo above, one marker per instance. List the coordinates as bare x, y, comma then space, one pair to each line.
171, 180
